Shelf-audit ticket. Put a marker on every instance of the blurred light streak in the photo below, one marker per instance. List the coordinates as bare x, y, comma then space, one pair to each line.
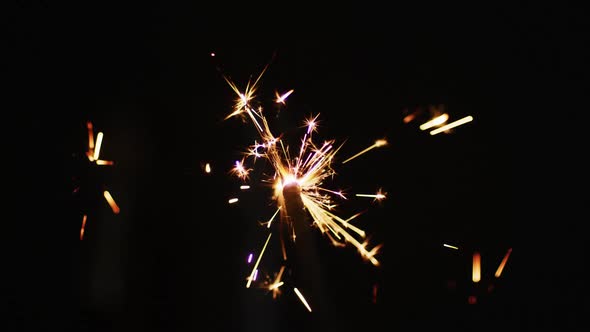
503, 263
250, 258
245, 187
83, 226
452, 125
476, 271
450, 246
111, 202
437, 121
281, 98
98, 144
90, 136
232, 200
302, 298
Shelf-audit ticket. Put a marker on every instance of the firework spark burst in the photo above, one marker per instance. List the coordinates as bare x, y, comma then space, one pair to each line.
298, 181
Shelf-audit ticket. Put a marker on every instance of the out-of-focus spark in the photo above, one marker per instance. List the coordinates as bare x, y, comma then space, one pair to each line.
90, 136
250, 258
281, 98
111, 202
476, 270
502, 264
98, 144
273, 216
83, 226
104, 162
207, 168
257, 262
452, 125
302, 298
232, 200
212, 54
437, 121
375, 288
378, 143
450, 246
245, 187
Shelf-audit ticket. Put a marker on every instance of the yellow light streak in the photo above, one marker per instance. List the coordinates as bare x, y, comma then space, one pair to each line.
450, 246
273, 216
111, 202
377, 197
377, 144
503, 263
104, 162
98, 144
452, 125
257, 262
302, 298
437, 121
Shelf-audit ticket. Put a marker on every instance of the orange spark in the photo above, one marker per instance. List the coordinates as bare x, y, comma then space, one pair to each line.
502, 264
82, 228
476, 270
111, 202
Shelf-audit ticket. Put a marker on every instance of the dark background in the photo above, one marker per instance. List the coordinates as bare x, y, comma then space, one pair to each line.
174, 258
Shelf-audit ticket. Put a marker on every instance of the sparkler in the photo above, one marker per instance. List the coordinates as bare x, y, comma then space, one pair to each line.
298, 184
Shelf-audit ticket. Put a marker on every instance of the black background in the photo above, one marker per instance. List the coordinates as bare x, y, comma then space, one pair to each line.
174, 258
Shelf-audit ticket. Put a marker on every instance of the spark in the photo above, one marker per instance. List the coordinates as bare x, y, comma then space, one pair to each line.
93, 154
273, 216
503, 263
377, 197
90, 135
437, 121
302, 298
257, 262
98, 145
250, 258
84, 218
476, 270
232, 200
111, 202
274, 287
452, 125
450, 246
207, 168
281, 98
377, 144
245, 187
